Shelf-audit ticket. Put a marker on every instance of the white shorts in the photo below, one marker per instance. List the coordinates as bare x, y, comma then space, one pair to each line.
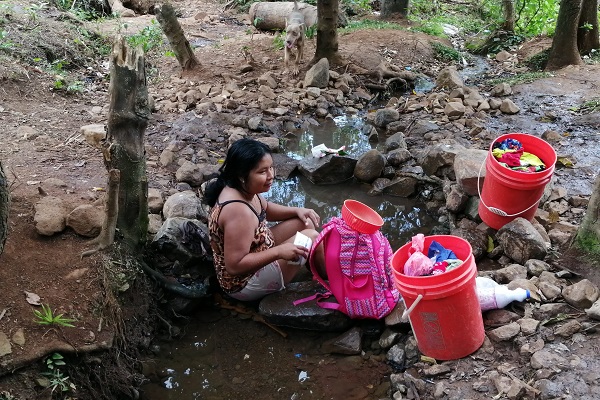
266, 280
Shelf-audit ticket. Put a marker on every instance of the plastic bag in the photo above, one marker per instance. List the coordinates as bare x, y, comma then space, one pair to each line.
418, 264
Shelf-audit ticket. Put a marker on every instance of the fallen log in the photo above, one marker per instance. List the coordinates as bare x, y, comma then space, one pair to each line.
271, 16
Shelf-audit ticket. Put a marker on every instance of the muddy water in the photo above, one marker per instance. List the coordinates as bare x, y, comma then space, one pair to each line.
226, 354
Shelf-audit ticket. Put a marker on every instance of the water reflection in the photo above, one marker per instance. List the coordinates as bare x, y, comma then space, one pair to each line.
344, 130
402, 217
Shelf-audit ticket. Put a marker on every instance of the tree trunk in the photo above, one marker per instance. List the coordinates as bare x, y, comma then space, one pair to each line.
4, 208
327, 39
170, 25
124, 147
564, 45
271, 16
391, 8
508, 7
588, 235
588, 39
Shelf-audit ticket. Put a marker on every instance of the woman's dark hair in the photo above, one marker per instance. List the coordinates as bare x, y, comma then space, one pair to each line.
241, 158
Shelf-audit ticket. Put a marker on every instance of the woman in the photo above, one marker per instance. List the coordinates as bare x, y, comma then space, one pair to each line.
252, 259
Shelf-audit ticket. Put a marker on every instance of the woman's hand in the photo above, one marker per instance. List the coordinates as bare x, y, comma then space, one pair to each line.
306, 215
291, 252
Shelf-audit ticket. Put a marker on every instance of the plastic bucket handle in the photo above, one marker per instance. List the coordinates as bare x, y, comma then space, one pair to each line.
495, 210
412, 307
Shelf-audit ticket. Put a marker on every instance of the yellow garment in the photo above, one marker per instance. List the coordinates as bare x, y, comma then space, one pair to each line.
531, 159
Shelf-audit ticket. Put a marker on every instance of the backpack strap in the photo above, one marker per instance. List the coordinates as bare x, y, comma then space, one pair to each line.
327, 228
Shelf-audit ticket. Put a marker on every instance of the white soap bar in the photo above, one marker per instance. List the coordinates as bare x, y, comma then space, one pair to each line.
304, 241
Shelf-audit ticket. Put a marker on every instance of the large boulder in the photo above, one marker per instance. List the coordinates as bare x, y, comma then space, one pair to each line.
328, 170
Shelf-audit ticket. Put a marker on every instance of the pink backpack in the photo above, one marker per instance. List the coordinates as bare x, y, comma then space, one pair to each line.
358, 271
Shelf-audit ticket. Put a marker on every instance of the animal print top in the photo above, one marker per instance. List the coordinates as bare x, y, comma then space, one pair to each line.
263, 240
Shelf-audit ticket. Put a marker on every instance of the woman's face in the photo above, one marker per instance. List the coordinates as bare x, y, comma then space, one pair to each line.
261, 177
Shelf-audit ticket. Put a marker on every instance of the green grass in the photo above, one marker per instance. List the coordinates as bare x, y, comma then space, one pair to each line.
445, 53
368, 24
589, 106
47, 317
526, 77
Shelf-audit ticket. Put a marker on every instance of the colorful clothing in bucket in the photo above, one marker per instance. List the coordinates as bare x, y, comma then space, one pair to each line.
511, 155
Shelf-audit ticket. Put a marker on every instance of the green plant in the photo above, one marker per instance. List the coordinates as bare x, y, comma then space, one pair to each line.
47, 317
587, 26
430, 28
5, 44
149, 38
311, 32
75, 87
538, 61
445, 53
59, 382
368, 24
587, 107
526, 77
55, 361
278, 41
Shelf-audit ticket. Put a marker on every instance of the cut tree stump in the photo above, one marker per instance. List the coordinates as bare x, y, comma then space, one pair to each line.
170, 26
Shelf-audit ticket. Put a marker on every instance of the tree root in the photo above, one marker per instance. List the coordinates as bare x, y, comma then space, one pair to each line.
174, 287
111, 208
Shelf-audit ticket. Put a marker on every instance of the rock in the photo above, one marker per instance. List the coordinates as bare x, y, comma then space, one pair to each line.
456, 199
438, 156
184, 204
421, 127
594, 311
328, 170
86, 220
187, 241
94, 134
349, 343
454, 110
545, 358
568, 329
510, 273
369, 166
396, 354
470, 170
50, 215
278, 309
389, 338
267, 80
18, 337
448, 78
155, 200
384, 116
397, 157
581, 294
403, 186
396, 141
505, 332
477, 239
508, 107
5, 346
521, 241
501, 89
318, 74
536, 267
528, 326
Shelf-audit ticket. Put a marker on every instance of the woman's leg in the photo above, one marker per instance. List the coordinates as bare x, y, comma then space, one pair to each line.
287, 229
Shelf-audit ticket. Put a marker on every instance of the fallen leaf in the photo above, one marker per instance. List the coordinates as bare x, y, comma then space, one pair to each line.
566, 162
32, 298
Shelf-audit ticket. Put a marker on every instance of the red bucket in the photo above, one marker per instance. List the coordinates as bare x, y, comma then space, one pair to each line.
508, 194
446, 318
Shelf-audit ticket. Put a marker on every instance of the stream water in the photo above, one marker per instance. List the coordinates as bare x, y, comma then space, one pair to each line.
228, 355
